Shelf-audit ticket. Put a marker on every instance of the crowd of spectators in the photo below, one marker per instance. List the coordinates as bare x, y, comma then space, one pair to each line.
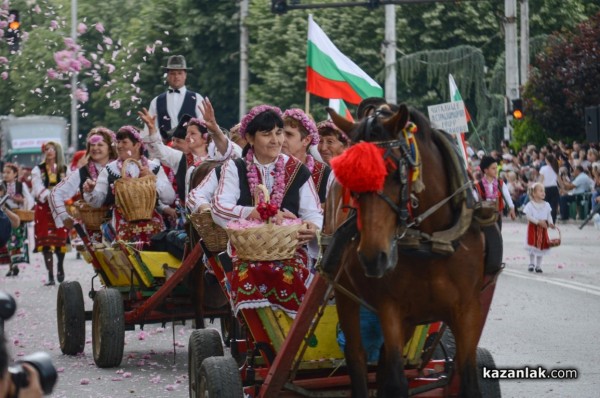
574, 167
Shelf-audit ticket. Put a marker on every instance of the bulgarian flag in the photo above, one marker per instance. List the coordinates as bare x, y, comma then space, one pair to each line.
340, 107
330, 74
455, 96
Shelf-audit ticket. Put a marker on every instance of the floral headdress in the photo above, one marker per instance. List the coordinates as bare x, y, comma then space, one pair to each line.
257, 110
201, 126
135, 133
102, 131
305, 121
131, 130
328, 124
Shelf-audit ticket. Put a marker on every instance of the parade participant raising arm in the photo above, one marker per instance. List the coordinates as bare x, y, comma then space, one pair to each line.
49, 238
282, 283
100, 149
101, 191
204, 138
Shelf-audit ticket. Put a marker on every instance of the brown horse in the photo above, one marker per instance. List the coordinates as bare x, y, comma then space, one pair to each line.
406, 286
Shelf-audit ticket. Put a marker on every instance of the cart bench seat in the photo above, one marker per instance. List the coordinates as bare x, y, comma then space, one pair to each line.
124, 266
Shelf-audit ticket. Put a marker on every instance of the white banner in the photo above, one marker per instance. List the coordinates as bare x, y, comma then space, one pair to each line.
450, 117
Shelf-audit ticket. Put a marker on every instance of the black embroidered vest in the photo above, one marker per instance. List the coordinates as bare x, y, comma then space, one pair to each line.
320, 176
164, 121
296, 174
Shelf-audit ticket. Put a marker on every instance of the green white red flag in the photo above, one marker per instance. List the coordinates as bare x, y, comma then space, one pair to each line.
340, 107
455, 96
331, 74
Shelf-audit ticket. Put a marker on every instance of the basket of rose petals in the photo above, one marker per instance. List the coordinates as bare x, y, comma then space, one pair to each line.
264, 240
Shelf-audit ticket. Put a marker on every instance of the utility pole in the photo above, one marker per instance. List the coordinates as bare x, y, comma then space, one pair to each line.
243, 58
74, 115
524, 41
390, 54
512, 66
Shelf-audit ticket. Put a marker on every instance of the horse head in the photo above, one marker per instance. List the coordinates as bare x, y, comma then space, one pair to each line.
383, 209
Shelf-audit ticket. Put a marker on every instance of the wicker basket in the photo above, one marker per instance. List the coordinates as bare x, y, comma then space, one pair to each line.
91, 217
135, 197
267, 242
555, 242
25, 215
214, 237
72, 210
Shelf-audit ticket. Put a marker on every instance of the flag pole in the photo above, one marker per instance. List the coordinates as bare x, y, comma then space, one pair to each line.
307, 103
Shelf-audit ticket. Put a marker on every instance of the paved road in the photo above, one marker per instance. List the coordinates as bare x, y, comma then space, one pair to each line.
548, 320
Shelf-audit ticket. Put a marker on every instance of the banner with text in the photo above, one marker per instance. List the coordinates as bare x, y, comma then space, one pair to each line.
450, 117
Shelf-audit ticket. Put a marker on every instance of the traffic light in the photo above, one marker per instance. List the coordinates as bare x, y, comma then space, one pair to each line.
279, 6
13, 33
517, 109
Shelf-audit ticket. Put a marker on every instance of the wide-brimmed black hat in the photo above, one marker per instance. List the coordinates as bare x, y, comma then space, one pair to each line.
176, 62
180, 130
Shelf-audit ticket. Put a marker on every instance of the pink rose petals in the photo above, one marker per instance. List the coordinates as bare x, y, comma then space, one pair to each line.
84, 382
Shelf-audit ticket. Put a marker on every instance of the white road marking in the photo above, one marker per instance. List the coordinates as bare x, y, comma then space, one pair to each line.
582, 287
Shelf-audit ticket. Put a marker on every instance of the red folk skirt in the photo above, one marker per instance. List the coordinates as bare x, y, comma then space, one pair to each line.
537, 236
278, 284
47, 236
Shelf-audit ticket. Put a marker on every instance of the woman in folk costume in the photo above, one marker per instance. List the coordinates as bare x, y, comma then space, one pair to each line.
49, 238
280, 284
300, 135
333, 141
204, 138
16, 250
100, 149
101, 192
493, 189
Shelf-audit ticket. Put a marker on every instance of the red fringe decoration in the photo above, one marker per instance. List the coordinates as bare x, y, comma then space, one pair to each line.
360, 168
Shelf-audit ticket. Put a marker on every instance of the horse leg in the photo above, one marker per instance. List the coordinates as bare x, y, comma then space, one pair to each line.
467, 330
391, 381
356, 357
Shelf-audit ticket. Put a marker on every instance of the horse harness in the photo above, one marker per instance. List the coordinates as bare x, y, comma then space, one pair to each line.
404, 166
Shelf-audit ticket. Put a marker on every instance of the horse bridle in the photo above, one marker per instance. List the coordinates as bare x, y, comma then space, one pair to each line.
402, 166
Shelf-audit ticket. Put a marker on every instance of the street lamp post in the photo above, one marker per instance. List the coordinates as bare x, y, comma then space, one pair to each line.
74, 115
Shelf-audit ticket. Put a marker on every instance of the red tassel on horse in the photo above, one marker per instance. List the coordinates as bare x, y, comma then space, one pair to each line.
361, 168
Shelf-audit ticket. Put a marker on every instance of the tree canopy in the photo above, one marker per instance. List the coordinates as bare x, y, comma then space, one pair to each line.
121, 46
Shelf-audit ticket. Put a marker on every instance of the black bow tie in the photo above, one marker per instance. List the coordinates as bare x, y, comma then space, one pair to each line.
174, 90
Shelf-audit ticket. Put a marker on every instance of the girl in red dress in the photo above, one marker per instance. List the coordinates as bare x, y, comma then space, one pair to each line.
48, 238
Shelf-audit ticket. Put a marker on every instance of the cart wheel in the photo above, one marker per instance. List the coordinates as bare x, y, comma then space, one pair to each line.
204, 343
490, 388
70, 317
108, 328
220, 378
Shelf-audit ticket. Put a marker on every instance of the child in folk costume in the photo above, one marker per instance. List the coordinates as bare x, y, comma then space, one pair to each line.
301, 135
19, 197
100, 149
539, 217
49, 238
493, 189
101, 192
280, 284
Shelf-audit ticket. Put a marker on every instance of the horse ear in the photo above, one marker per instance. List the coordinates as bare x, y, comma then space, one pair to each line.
343, 124
398, 120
